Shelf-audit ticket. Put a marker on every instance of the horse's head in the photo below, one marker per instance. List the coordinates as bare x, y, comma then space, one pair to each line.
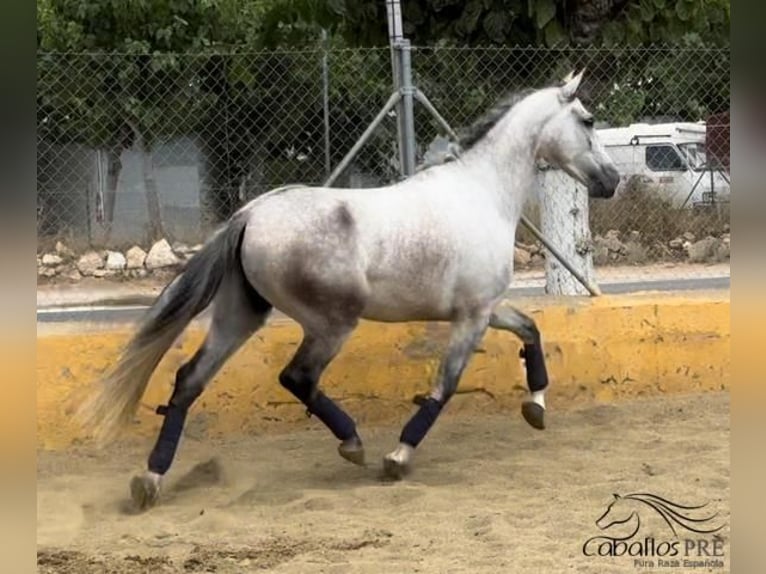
616, 513
569, 142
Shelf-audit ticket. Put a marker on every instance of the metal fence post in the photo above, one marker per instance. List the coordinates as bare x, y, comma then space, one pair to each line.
395, 35
408, 110
326, 104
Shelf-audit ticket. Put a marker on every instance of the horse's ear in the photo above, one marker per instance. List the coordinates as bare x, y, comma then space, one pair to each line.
569, 89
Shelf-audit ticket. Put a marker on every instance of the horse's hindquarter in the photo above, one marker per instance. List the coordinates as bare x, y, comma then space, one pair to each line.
301, 252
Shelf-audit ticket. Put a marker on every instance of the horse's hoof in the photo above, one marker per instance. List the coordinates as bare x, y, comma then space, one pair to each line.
397, 464
145, 490
395, 469
352, 450
534, 414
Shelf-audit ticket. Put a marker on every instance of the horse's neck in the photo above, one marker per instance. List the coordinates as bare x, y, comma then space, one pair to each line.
509, 151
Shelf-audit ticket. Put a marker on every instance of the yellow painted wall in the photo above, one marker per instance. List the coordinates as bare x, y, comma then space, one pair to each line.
602, 349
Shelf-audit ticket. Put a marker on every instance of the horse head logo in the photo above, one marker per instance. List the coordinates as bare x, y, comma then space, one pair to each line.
626, 509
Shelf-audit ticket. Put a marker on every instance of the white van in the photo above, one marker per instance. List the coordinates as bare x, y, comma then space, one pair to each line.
670, 156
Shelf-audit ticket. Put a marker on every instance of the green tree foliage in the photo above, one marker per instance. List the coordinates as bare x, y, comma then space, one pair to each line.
469, 22
552, 23
122, 74
669, 22
116, 74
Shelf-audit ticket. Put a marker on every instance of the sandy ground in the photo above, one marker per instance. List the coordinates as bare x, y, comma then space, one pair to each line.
487, 494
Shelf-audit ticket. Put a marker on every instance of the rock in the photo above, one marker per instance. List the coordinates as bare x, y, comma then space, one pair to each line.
521, 257
135, 257
180, 248
51, 260
64, 251
676, 243
612, 243
659, 251
723, 251
161, 255
689, 236
726, 238
703, 250
142, 273
48, 272
89, 263
600, 255
537, 260
635, 253
101, 273
72, 274
115, 261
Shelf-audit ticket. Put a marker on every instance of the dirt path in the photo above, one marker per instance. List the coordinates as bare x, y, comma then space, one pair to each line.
90, 291
487, 495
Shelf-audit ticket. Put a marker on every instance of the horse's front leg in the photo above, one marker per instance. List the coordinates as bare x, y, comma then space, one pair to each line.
465, 336
513, 320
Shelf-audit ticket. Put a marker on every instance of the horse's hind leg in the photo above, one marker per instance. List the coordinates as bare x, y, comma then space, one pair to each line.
237, 313
301, 378
524, 327
464, 337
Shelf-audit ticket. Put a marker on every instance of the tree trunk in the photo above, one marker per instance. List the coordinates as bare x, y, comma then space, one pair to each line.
156, 231
564, 222
113, 169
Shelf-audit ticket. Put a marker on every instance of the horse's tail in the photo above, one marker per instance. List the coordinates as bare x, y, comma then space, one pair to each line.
192, 290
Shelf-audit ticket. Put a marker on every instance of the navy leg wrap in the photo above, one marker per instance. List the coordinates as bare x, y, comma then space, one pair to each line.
320, 405
417, 427
325, 409
164, 450
537, 375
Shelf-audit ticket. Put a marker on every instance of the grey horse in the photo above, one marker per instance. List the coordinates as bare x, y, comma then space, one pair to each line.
437, 246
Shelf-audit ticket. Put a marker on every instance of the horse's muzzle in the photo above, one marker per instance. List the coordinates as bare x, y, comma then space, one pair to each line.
604, 183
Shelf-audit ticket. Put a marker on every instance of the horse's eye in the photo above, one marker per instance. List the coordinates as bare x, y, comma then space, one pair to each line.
588, 122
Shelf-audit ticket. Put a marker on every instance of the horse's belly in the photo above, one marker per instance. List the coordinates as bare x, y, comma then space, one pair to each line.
398, 303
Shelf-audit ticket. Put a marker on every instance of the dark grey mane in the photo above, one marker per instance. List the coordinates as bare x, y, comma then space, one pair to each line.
481, 127
468, 137
442, 151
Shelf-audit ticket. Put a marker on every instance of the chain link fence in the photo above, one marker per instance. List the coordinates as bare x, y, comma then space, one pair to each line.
135, 147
